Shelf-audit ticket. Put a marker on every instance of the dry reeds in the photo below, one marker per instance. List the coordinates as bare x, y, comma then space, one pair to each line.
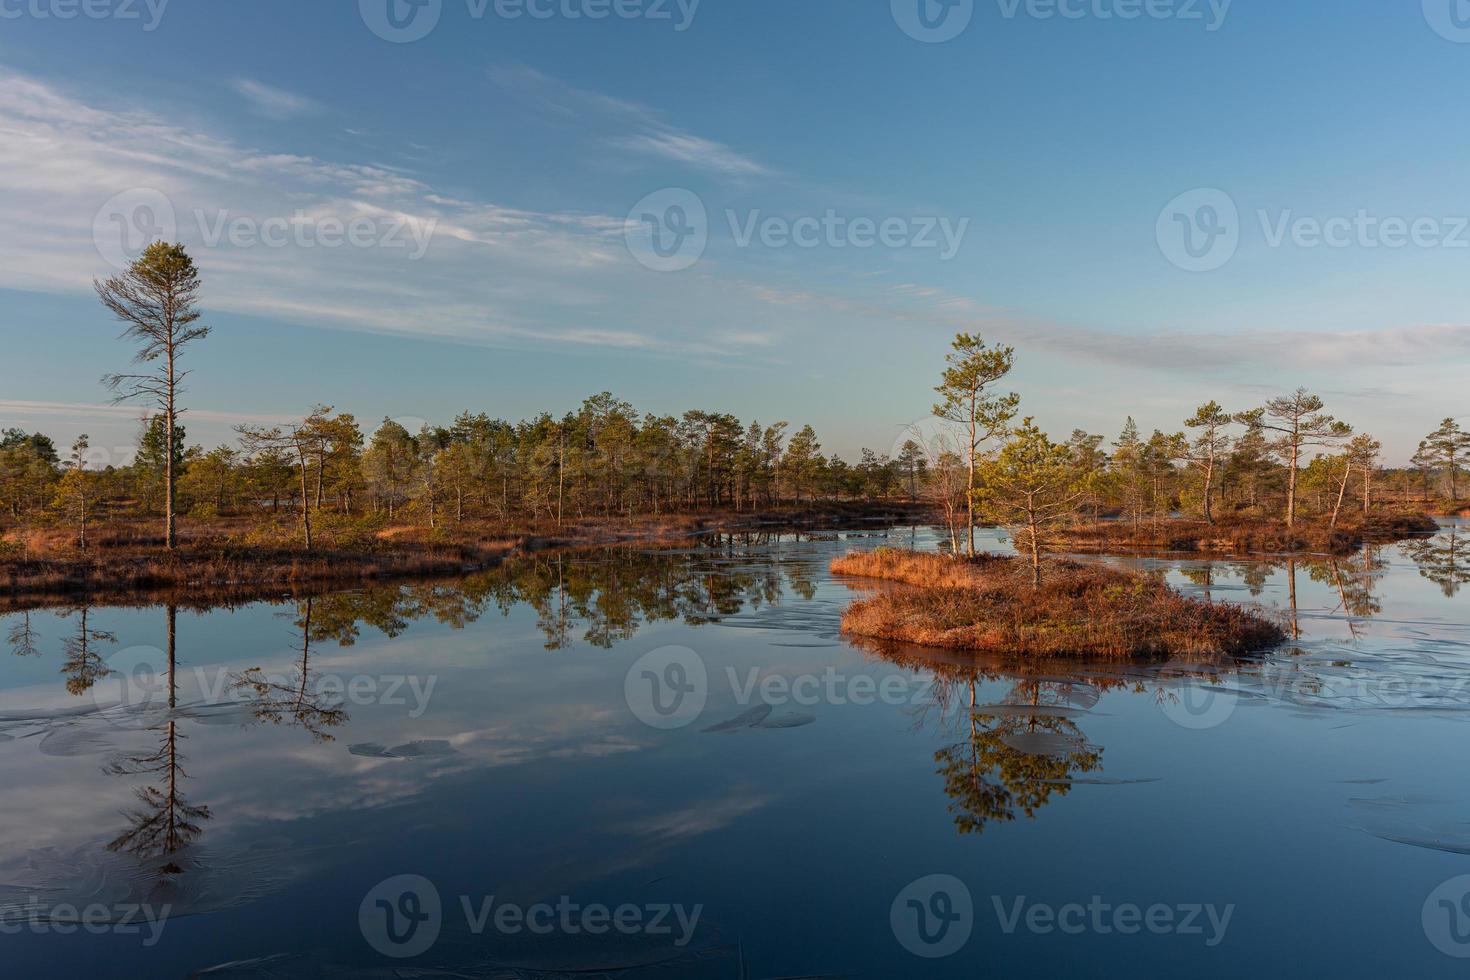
1079, 610
1241, 536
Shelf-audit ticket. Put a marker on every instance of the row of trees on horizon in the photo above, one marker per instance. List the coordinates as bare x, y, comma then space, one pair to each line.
979, 463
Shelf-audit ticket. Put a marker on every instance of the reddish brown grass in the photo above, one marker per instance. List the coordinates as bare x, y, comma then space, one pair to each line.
1251, 536
234, 556
925, 569
1079, 610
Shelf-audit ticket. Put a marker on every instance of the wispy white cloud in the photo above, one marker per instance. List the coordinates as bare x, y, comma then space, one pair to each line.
1174, 351
488, 273
275, 103
651, 136
19, 408
696, 152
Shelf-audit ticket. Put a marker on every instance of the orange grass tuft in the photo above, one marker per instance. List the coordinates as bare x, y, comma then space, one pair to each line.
1079, 610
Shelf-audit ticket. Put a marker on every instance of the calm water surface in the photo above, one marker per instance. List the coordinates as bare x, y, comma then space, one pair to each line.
667, 763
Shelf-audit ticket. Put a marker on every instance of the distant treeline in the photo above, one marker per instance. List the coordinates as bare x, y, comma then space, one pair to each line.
608, 460
605, 460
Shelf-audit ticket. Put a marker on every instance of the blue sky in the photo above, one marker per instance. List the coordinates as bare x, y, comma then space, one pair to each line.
493, 167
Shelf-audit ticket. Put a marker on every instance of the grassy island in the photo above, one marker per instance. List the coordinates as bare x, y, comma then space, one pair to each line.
990, 604
1248, 536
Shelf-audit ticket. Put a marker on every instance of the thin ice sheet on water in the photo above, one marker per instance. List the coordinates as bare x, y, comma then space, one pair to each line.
1029, 711
1044, 743
71, 741
191, 881
421, 749
746, 719
789, 719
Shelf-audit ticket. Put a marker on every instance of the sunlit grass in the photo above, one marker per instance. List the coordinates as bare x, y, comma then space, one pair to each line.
1079, 610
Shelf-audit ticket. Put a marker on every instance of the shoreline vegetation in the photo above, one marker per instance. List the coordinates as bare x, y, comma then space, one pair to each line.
1242, 537
322, 499
990, 605
219, 560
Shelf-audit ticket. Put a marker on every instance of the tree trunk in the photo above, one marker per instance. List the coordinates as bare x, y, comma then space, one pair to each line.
1347, 473
321, 469
305, 505
1291, 484
1209, 487
1035, 555
970, 484
170, 536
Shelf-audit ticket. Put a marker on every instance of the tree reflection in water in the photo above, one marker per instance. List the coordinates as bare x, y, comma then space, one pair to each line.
1012, 759
164, 822
1014, 756
1443, 559
84, 663
601, 597
295, 702
989, 779
22, 636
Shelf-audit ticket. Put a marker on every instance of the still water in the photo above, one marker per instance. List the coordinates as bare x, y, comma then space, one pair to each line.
668, 763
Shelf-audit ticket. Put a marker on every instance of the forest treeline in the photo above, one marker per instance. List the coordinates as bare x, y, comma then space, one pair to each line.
977, 464
608, 460
603, 460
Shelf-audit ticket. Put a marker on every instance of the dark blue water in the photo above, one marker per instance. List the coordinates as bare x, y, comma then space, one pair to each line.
668, 763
